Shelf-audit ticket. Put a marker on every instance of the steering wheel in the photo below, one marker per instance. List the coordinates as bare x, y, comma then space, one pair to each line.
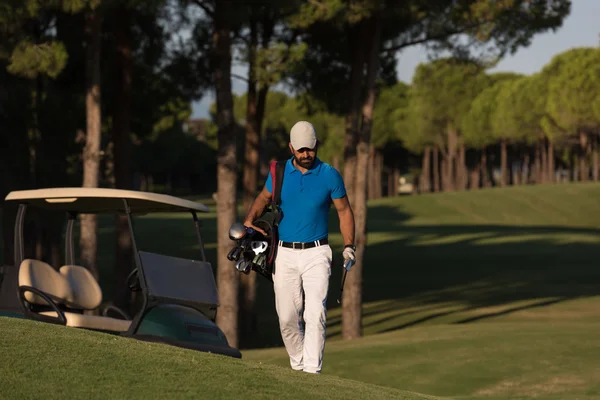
133, 281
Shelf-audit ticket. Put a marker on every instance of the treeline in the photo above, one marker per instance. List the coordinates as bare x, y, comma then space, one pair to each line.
457, 126
387, 158
466, 123
98, 93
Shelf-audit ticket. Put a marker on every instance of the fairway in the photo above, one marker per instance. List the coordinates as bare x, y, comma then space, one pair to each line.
482, 256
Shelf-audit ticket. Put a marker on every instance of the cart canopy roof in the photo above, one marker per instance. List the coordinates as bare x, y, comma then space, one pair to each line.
102, 200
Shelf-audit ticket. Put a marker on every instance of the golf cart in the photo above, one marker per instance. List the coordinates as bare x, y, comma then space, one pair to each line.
179, 296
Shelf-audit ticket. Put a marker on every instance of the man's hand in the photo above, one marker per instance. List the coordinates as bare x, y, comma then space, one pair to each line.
249, 224
348, 254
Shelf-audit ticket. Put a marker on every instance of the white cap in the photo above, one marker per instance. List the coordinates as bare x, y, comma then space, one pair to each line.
303, 135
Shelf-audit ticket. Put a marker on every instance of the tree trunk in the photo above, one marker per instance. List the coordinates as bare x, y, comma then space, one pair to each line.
263, 90
108, 174
390, 182
538, 165
526, 169
379, 174
510, 162
436, 169
396, 180
451, 181
335, 162
490, 179
426, 170
485, 181
35, 150
461, 167
544, 161
357, 41
252, 134
375, 174
445, 175
352, 298
475, 173
263, 165
91, 152
371, 173
227, 278
595, 158
247, 295
550, 157
503, 163
516, 166
122, 148
572, 166
583, 152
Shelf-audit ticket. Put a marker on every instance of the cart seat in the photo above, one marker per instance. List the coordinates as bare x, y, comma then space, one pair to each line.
95, 322
73, 287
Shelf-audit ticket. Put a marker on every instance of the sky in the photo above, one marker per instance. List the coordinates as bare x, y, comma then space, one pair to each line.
579, 29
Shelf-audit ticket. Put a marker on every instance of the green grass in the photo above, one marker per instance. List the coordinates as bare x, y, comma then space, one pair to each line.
541, 360
487, 294
58, 363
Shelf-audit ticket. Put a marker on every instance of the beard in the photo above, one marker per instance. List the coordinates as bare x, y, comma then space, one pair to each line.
305, 161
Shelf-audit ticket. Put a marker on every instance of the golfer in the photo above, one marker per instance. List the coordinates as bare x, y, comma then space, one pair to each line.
303, 265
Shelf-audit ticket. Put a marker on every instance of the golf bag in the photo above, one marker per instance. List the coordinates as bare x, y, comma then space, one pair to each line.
253, 250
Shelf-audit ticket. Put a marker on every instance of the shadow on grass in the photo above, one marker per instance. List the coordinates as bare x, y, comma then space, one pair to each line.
468, 273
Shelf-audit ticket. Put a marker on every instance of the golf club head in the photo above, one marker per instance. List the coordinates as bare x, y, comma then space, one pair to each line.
237, 231
237, 254
231, 254
258, 247
243, 266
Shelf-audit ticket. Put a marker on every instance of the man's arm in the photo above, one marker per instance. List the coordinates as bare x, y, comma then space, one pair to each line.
257, 208
346, 217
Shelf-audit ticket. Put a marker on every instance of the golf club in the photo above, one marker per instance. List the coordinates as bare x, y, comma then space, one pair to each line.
347, 265
250, 251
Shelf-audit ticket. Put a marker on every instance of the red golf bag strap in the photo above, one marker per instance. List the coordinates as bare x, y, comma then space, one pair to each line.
276, 171
273, 172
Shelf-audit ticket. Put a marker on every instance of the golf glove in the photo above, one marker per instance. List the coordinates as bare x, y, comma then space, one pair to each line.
348, 254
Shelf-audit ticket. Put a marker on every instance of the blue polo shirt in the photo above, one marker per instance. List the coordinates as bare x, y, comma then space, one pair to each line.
306, 200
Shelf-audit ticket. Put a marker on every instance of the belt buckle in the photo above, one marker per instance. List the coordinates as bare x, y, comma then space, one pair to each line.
300, 243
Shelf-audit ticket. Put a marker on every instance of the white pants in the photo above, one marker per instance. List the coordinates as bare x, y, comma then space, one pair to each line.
301, 282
